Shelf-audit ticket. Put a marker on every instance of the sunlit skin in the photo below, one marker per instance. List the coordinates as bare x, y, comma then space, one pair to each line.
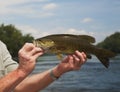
18, 81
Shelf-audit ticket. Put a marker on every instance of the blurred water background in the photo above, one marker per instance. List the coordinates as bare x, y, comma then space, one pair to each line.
93, 76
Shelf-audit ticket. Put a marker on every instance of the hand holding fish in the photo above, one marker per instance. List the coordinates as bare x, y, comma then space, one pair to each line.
52, 44
27, 57
70, 63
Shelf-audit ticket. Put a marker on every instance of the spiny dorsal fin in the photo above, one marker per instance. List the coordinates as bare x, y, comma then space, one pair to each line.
87, 38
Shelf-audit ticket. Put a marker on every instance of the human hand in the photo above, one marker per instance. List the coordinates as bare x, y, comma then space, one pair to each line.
70, 63
27, 57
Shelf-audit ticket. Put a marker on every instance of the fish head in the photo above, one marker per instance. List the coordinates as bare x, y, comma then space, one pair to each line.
44, 43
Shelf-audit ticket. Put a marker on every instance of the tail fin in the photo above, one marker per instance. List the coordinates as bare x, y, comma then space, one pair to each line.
104, 55
104, 61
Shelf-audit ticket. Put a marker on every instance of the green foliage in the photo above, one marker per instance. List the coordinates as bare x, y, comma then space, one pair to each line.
13, 38
111, 43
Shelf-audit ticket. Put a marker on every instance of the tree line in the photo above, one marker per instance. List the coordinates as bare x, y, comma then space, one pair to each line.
14, 40
111, 42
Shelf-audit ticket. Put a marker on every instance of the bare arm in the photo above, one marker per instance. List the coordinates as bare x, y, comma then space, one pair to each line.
27, 57
17, 81
35, 83
10, 81
39, 81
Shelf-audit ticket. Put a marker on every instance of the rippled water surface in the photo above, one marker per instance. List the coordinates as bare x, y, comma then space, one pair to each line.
93, 76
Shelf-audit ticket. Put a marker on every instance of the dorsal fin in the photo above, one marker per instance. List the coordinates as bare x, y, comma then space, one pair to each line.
87, 38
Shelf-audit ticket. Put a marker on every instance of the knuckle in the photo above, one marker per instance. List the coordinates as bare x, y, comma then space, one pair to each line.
20, 52
72, 67
27, 43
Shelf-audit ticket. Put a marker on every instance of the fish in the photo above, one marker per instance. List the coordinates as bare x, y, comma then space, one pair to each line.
68, 43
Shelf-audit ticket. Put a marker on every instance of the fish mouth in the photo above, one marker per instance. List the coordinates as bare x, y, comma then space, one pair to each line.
35, 43
46, 45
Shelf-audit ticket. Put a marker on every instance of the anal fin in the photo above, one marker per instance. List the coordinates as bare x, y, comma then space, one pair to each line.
104, 61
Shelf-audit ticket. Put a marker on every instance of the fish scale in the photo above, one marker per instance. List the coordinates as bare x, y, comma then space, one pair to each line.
68, 44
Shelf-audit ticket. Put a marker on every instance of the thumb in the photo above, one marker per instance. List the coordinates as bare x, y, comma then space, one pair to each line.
66, 59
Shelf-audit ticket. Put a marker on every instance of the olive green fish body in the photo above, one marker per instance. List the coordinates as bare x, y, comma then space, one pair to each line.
68, 44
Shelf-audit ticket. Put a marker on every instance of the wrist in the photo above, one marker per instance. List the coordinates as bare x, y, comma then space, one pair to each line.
52, 75
57, 71
22, 73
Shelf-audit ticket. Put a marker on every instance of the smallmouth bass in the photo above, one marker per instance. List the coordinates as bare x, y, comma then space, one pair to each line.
67, 44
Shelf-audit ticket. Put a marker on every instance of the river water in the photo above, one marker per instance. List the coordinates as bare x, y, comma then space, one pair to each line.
92, 77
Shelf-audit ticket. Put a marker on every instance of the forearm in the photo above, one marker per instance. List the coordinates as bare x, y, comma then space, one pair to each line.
36, 82
11, 80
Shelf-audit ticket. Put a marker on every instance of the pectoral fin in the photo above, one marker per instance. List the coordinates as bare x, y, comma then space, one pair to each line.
59, 56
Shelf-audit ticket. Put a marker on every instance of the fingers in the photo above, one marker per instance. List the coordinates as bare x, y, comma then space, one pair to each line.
27, 57
28, 47
78, 59
72, 62
36, 50
30, 51
65, 60
81, 55
37, 54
